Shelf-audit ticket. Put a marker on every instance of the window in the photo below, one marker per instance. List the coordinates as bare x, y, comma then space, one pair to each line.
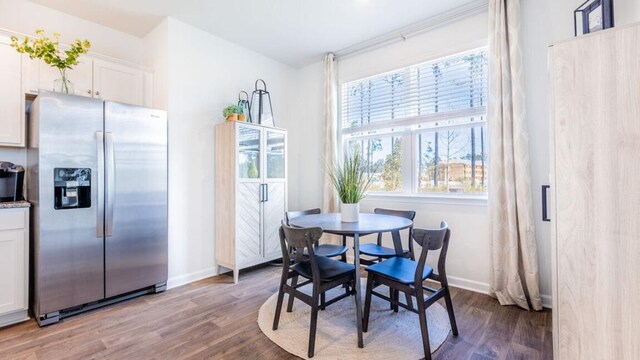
421, 129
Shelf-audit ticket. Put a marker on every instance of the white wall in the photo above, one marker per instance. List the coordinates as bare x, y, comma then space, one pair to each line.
205, 73
156, 56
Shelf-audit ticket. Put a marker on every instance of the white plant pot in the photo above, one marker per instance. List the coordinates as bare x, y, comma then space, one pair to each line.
350, 212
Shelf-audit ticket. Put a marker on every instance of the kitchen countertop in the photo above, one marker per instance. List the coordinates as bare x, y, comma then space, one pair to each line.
14, 204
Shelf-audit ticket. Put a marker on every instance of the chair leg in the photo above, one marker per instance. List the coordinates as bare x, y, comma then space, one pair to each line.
409, 301
396, 299
343, 257
367, 303
312, 329
390, 298
323, 300
276, 318
422, 314
452, 317
294, 282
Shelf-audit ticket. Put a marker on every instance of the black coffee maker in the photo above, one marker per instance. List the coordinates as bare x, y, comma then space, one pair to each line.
11, 182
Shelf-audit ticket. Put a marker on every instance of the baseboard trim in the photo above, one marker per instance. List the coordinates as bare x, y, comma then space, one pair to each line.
454, 281
471, 285
13, 318
191, 277
484, 288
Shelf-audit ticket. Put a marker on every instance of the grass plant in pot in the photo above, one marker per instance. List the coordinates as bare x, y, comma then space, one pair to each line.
351, 181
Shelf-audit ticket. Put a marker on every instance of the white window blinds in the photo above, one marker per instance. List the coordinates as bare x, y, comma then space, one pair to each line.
447, 88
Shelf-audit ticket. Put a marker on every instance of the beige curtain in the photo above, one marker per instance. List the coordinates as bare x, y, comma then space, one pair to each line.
514, 251
329, 196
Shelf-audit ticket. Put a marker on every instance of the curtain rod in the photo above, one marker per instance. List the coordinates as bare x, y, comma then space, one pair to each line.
447, 17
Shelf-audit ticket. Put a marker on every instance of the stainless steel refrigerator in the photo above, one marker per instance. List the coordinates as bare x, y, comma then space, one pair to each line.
97, 181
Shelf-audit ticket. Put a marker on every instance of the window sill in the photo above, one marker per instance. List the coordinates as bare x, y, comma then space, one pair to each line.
461, 200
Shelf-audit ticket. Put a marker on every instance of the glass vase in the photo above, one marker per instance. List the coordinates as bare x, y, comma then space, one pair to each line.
63, 85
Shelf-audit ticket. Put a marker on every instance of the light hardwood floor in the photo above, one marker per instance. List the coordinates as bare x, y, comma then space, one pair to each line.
216, 319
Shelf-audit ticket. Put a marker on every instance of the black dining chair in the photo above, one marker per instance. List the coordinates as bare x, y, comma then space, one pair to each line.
321, 272
406, 275
328, 250
379, 252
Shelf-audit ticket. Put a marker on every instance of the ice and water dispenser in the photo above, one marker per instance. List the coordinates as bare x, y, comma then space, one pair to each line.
72, 188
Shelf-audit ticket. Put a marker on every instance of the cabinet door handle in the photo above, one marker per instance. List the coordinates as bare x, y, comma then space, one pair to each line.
261, 196
266, 192
545, 214
89, 92
97, 93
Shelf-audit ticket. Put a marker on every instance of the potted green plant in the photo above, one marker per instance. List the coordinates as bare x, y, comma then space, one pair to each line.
230, 112
49, 51
351, 181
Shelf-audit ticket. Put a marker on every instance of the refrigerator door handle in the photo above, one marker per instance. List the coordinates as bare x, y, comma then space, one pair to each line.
100, 178
110, 191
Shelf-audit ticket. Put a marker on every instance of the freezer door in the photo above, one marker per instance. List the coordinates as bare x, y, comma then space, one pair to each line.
136, 198
64, 151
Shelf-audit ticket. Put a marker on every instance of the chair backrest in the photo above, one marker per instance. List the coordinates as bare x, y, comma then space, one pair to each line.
294, 241
294, 214
407, 214
432, 239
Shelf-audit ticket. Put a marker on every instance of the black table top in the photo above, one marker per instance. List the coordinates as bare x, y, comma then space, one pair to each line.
368, 224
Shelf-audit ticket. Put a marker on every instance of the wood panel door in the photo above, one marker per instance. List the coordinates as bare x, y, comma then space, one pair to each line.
596, 142
248, 244
11, 97
274, 206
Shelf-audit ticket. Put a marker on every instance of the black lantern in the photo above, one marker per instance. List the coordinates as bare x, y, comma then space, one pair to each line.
593, 15
244, 104
261, 110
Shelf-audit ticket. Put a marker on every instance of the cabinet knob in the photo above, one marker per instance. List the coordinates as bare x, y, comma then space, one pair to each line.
97, 93
89, 92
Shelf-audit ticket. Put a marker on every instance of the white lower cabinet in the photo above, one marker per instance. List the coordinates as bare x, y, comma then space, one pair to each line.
14, 265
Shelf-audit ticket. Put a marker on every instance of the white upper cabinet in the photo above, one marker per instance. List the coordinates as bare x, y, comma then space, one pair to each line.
80, 76
115, 82
12, 127
94, 76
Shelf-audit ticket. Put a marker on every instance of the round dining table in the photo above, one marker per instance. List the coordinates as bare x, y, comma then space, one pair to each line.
368, 224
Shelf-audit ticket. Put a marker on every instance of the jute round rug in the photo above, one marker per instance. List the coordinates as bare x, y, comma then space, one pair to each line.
390, 336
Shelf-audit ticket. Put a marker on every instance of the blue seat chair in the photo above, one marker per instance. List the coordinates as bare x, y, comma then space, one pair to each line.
321, 272
327, 250
405, 275
379, 252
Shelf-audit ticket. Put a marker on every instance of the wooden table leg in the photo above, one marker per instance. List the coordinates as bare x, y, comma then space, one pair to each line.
356, 262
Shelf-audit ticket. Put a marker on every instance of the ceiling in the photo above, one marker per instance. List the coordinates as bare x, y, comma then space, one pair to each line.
295, 32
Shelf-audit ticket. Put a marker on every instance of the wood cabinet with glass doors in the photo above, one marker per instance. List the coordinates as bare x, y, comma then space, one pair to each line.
250, 194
